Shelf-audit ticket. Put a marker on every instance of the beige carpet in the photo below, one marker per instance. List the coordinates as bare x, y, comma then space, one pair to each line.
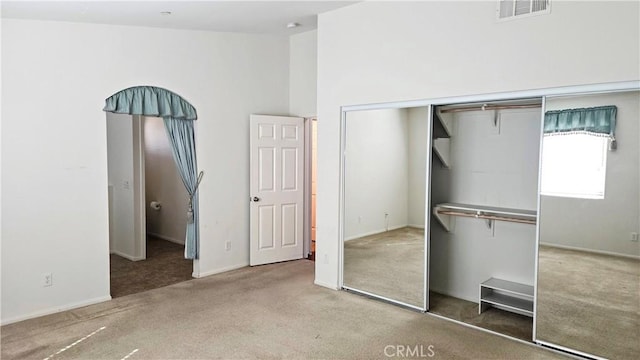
589, 302
504, 322
389, 264
267, 312
165, 265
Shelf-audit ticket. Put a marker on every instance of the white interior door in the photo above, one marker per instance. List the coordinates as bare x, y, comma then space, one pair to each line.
277, 189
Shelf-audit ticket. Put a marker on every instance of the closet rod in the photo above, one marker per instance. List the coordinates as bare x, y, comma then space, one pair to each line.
491, 107
487, 217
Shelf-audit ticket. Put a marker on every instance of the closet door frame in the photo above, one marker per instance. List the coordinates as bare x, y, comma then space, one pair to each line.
343, 136
430, 103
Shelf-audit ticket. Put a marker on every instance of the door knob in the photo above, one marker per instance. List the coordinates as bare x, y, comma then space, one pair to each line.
256, 199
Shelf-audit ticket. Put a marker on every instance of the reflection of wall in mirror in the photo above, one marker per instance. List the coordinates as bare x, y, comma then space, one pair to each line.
384, 170
601, 225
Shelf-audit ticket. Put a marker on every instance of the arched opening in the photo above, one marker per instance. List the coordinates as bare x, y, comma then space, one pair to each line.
134, 114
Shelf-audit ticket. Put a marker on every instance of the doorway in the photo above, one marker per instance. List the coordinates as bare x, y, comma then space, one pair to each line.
147, 202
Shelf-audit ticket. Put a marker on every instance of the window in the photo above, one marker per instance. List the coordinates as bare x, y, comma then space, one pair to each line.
574, 165
518, 8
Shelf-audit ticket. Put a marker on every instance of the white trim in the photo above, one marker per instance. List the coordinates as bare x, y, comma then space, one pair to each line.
167, 238
376, 232
326, 285
55, 309
509, 95
593, 251
128, 257
139, 187
219, 271
427, 207
538, 197
528, 343
389, 300
416, 226
567, 351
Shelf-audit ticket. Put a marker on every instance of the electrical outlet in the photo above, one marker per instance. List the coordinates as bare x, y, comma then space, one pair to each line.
634, 236
47, 279
227, 246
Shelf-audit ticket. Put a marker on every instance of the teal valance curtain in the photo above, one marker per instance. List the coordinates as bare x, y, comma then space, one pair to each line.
178, 116
150, 101
595, 120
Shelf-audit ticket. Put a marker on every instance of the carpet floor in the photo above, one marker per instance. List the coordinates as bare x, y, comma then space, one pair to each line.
504, 322
165, 265
389, 264
266, 312
589, 302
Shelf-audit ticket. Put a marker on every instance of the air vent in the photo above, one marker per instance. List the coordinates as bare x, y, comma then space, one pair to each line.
519, 8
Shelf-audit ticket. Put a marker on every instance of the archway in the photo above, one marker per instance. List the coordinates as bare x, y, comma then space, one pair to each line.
178, 116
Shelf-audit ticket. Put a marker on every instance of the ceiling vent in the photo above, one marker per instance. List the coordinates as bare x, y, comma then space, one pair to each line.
509, 9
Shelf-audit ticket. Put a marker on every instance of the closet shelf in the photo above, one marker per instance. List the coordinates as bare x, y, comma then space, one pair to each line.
441, 126
444, 212
441, 147
506, 295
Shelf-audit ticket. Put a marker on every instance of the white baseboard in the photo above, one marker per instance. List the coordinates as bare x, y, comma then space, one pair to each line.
326, 285
415, 226
55, 309
128, 257
601, 252
162, 237
376, 232
219, 271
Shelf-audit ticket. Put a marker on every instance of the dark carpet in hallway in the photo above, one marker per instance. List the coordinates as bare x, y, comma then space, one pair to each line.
165, 265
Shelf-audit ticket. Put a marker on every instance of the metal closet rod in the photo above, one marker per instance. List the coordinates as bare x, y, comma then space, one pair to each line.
491, 107
487, 217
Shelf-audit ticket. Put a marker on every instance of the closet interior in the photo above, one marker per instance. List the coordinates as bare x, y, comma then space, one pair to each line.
484, 186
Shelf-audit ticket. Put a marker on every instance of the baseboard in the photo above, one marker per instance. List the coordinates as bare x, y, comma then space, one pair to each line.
326, 285
128, 257
601, 252
416, 226
54, 310
219, 271
376, 232
162, 237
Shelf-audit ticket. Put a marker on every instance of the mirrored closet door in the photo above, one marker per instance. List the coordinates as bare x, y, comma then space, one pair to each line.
384, 177
588, 294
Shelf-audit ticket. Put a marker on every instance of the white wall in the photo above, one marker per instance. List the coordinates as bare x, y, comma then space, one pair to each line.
303, 63
376, 171
55, 78
374, 52
606, 224
121, 177
488, 168
418, 126
163, 184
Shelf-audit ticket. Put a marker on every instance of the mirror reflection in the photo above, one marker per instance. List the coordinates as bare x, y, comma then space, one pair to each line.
589, 267
384, 203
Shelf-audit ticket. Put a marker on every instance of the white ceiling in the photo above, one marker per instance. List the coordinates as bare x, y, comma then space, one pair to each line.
264, 17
